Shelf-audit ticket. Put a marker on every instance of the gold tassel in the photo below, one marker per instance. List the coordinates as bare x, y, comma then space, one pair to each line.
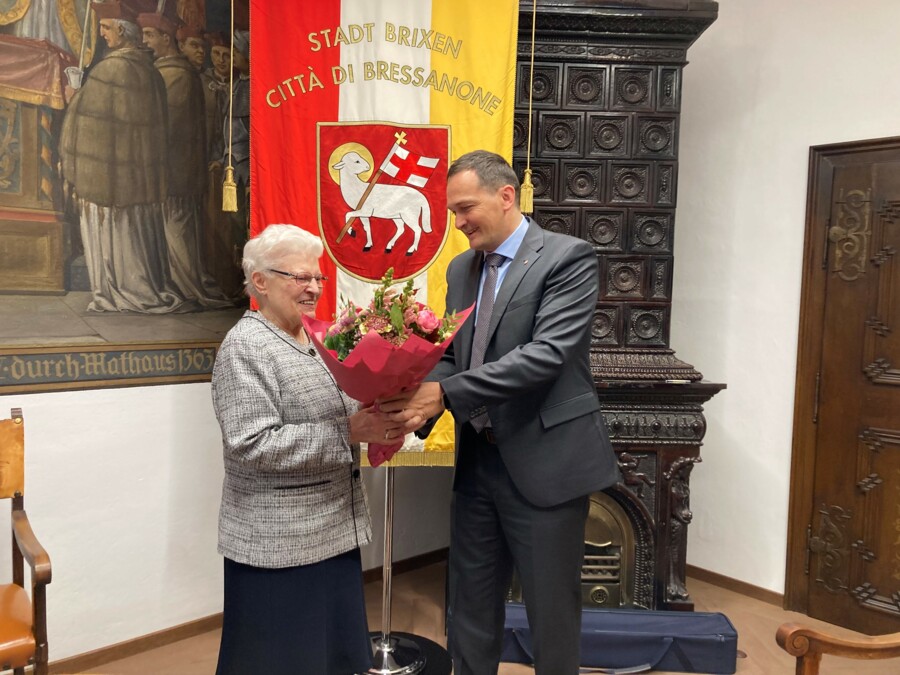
229, 191
526, 196
229, 187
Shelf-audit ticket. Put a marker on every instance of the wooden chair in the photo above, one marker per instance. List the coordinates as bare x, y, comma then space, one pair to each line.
23, 619
808, 645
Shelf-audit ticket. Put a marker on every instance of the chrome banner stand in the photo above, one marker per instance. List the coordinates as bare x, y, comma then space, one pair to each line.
392, 655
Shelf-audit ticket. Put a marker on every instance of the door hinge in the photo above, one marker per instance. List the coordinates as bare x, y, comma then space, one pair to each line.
815, 417
808, 548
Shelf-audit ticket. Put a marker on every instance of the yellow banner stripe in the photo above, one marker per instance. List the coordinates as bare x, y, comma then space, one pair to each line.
480, 112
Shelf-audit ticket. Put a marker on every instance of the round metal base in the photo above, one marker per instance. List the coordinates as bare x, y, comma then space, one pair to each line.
396, 656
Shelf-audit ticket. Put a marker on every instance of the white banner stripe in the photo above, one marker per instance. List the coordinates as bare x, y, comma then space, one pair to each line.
379, 99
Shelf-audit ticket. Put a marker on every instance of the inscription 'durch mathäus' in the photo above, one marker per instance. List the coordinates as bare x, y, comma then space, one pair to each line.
44, 368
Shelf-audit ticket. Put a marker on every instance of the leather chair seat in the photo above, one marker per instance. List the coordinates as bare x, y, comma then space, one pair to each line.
16, 636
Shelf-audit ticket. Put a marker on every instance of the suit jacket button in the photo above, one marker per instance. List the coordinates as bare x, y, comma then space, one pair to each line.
356, 473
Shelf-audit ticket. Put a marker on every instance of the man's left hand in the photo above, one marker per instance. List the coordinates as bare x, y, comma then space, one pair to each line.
415, 407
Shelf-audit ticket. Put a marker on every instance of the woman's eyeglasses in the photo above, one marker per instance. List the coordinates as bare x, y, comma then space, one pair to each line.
303, 280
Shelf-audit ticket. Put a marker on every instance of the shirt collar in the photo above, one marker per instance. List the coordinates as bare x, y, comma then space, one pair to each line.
511, 245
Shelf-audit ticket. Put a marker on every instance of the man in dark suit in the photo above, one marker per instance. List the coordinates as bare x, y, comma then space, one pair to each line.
531, 444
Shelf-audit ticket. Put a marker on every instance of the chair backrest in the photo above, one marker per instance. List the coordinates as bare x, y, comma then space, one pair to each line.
23, 640
12, 455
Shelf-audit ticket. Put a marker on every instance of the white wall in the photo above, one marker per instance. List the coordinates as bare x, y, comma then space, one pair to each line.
122, 489
766, 81
123, 484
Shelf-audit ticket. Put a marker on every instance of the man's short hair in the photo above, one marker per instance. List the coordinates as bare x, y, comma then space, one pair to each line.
493, 171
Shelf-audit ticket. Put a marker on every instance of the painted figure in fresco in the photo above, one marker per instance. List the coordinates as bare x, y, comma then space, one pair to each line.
216, 80
225, 232
112, 156
240, 114
193, 46
239, 131
220, 58
61, 24
186, 140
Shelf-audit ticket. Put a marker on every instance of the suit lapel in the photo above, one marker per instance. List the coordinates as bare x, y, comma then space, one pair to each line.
471, 271
526, 256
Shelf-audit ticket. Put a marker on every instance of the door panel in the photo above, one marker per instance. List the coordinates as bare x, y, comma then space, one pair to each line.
854, 533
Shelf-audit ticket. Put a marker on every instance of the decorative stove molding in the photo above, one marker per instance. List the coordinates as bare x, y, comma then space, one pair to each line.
606, 99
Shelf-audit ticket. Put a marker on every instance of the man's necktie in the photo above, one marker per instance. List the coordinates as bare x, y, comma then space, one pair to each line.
485, 307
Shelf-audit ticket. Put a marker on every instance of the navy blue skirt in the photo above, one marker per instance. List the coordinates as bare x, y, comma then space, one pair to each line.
309, 619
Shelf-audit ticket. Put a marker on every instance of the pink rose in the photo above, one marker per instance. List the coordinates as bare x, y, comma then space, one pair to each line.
427, 321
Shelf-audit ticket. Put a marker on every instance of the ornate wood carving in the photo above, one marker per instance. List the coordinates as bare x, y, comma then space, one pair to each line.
656, 429
606, 104
680, 517
879, 365
831, 543
864, 551
870, 482
836, 408
850, 233
606, 99
874, 454
639, 476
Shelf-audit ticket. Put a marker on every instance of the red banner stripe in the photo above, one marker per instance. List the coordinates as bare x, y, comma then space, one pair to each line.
285, 105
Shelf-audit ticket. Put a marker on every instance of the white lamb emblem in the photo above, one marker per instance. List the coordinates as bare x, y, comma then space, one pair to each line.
400, 203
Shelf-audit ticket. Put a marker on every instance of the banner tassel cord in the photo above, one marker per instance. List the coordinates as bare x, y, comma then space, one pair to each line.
229, 187
526, 196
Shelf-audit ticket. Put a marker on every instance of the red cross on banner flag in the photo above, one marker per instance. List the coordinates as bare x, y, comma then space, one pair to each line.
409, 167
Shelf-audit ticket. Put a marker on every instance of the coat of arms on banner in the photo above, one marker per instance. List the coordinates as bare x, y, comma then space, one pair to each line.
382, 191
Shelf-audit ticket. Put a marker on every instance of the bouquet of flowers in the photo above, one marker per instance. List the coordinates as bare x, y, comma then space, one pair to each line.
392, 315
388, 346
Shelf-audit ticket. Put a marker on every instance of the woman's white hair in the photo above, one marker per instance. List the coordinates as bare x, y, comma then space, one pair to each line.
264, 251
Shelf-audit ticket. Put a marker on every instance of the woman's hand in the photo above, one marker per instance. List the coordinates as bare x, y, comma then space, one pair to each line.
414, 407
371, 426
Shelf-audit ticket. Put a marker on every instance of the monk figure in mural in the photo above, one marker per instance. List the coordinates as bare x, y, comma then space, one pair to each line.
186, 140
114, 157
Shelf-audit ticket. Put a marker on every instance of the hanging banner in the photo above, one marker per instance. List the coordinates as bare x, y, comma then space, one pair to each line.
356, 103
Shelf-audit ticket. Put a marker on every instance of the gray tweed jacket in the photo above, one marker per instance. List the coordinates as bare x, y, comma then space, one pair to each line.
292, 493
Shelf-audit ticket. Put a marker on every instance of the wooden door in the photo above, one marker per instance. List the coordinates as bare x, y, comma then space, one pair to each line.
850, 444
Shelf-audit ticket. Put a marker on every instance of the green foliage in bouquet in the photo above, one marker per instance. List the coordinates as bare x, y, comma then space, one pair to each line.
393, 315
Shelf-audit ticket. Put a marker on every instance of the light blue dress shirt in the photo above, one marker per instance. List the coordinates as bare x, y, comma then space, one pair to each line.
508, 248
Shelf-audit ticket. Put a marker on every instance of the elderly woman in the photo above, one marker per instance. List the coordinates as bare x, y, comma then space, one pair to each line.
294, 511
